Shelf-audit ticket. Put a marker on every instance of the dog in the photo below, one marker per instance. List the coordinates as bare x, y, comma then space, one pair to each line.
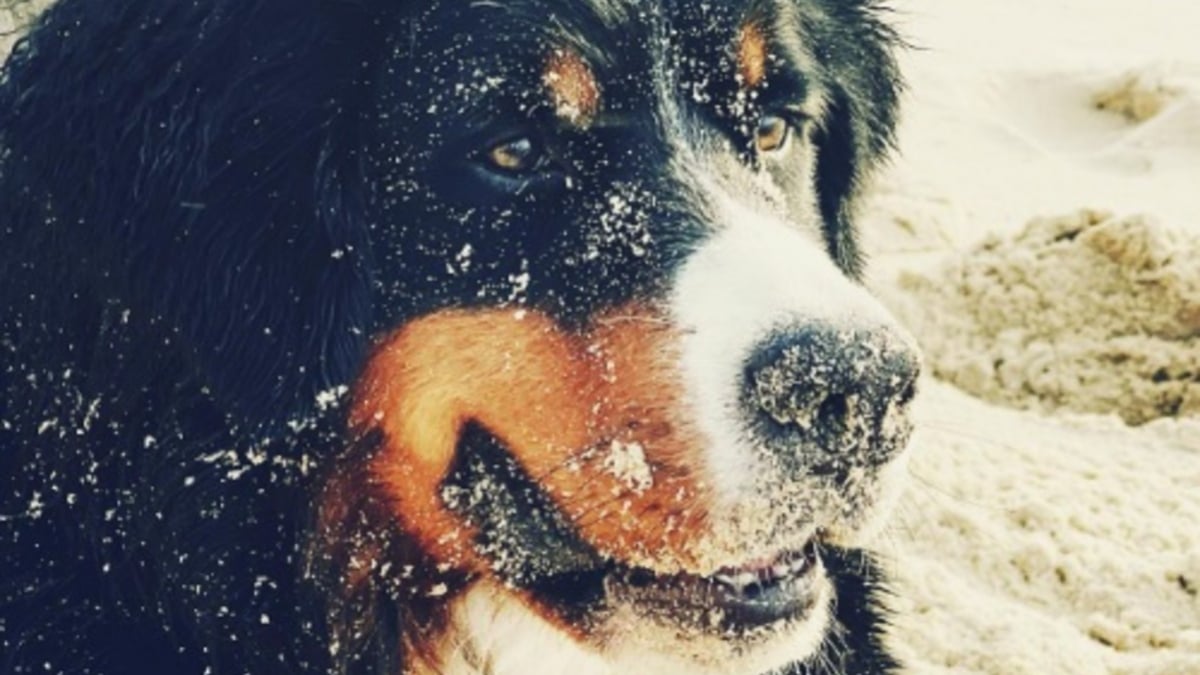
445, 336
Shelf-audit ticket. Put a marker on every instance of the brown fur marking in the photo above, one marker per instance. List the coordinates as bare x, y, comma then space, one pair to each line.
751, 55
574, 90
574, 409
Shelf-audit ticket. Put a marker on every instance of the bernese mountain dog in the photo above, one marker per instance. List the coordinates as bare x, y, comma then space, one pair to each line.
456, 337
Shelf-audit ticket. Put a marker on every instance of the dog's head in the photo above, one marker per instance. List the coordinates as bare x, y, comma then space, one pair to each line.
629, 389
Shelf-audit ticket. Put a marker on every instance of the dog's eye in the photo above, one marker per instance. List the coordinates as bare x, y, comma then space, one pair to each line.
516, 155
772, 133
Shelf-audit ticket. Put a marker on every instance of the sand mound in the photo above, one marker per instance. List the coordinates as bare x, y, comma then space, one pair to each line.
1085, 312
1137, 96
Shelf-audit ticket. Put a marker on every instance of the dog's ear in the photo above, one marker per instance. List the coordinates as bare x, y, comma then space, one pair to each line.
862, 85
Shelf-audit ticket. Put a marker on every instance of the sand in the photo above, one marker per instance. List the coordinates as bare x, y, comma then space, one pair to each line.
1085, 311
15, 15
1028, 544
1039, 235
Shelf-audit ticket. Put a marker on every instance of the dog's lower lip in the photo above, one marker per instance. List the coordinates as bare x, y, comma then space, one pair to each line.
737, 597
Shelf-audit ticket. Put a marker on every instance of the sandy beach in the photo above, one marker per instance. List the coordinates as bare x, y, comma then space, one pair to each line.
1040, 234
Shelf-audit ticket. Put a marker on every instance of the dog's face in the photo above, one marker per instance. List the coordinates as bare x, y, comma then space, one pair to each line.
628, 392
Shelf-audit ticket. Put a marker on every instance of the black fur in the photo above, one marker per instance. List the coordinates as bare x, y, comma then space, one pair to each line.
196, 244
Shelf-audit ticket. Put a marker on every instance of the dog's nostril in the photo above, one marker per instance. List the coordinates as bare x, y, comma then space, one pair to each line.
909, 393
832, 413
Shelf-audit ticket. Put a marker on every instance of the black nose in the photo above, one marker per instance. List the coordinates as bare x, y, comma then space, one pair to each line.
825, 398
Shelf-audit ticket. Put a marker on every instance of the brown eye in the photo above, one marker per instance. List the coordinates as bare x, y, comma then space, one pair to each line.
772, 133
517, 155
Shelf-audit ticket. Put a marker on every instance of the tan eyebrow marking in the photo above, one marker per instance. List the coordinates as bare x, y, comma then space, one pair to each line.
751, 55
572, 85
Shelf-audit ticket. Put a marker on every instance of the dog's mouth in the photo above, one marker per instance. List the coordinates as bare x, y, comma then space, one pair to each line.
734, 600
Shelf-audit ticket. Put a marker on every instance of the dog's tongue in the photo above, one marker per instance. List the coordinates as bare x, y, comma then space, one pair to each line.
593, 417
